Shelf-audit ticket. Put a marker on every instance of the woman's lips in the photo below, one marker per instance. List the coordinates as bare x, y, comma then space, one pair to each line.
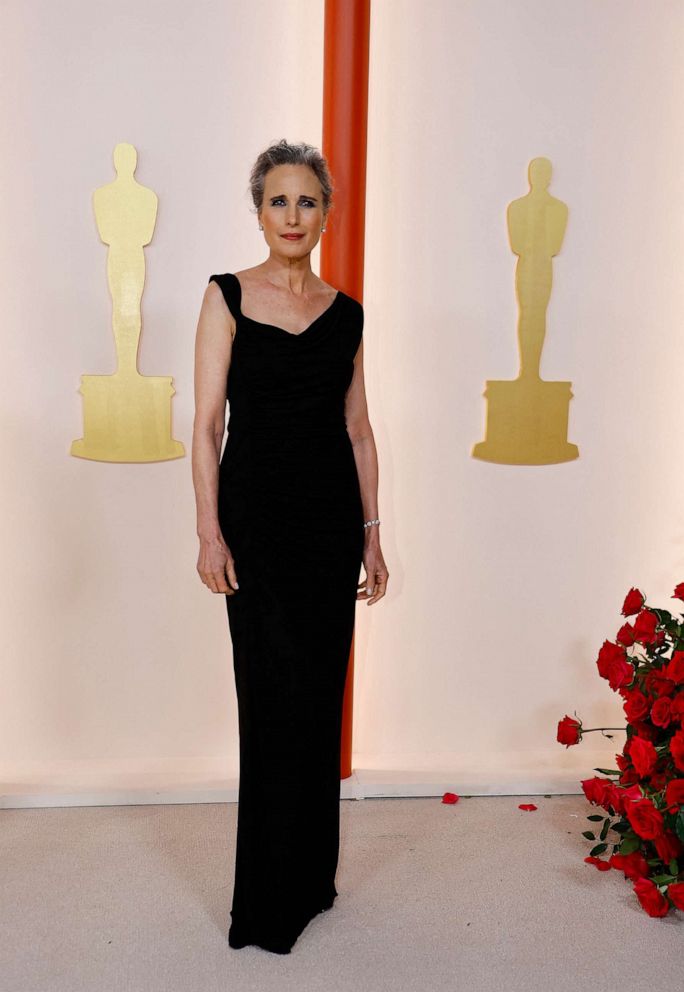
292, 237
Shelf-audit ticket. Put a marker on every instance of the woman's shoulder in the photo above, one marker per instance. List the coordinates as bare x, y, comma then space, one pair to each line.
250, 277
355, 302
353, 309
222, 285
355, 305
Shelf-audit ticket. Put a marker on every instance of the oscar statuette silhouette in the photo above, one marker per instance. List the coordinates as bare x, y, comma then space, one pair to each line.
126, 415
527, 417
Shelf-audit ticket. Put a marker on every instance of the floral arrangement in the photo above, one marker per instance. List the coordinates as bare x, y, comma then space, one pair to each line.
644, 796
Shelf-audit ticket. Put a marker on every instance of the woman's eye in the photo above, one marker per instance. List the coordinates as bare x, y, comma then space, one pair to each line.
279, 199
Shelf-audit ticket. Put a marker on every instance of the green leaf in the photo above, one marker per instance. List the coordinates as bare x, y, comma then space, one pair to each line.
679, 824
588, 834
674, 866
595, 816
606, 771
630, 844
605, 829
599, 849
621, 827
662, 879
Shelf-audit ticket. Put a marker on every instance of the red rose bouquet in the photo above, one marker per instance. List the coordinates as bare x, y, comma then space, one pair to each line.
644, 796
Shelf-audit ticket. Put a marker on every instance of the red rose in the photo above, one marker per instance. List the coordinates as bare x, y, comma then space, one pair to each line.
621, 798
656, 683
677, 749
613, 665
674, 794
634, 600
634, 865
674, 670
668, 846
677, 706
607, 655
676, 893
679, 591
645, 627
636, 705
658, 780
625, 635
643, 754
633, 793
568, 731
646, 731
598, 790
660, 711
629, 777
622, 762
645, 819
651, 898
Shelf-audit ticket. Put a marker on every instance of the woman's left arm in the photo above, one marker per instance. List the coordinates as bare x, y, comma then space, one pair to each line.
366, 457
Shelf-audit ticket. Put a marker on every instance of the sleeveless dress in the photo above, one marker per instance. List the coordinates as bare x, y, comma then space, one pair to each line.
290, 510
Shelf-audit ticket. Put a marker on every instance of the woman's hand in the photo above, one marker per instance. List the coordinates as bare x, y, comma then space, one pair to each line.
375, 583
215, 562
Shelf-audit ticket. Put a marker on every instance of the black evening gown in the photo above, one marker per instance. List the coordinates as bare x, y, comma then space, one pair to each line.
290, 510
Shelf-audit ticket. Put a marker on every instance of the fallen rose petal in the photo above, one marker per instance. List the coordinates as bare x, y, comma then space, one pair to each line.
449, 797
600, 865
526, 806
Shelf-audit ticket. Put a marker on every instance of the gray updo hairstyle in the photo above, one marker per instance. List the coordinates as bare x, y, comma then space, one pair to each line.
283, 153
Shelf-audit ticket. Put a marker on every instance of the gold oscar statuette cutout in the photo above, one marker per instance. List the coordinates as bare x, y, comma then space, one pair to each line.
527, 417
126, 415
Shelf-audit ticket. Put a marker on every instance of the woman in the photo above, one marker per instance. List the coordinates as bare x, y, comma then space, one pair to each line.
285, 522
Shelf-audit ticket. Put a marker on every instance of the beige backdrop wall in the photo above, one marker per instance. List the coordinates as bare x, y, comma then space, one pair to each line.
117, 672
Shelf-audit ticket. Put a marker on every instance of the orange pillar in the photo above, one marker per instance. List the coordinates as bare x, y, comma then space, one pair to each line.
345, 123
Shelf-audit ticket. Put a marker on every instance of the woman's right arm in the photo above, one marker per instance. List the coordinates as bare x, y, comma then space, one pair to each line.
213, 348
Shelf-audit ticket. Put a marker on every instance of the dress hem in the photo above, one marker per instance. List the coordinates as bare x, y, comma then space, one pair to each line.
238, 938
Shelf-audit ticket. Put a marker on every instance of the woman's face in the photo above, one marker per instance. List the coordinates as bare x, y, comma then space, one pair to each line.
292, 205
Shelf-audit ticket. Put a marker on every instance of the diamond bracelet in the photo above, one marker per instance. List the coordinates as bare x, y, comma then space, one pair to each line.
369, 523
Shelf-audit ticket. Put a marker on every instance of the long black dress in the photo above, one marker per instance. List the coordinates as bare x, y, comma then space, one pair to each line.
290, 510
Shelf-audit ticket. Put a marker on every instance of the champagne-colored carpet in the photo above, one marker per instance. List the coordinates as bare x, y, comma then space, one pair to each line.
474, 896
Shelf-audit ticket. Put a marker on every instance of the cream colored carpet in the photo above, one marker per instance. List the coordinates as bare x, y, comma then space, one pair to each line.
475, 896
